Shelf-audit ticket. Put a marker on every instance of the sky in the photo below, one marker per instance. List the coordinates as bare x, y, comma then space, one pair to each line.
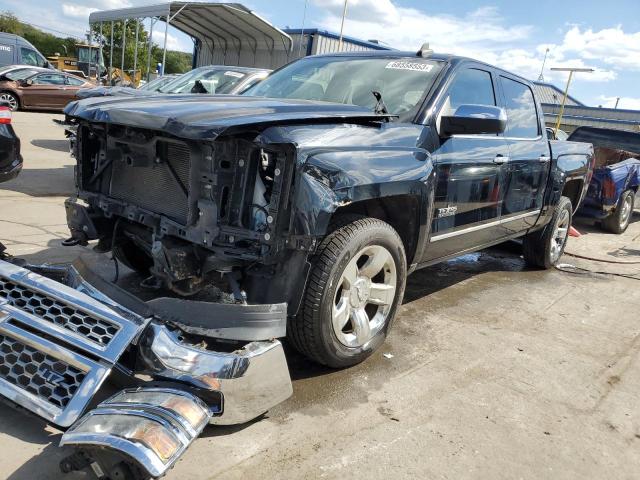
604, 35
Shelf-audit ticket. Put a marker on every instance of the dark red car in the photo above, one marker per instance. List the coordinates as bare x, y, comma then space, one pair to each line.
40, 89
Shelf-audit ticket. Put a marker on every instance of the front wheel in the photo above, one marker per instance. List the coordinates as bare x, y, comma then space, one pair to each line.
619, 220
543, 248
356, 284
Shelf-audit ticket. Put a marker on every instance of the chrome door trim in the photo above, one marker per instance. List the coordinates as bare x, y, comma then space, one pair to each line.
464, 231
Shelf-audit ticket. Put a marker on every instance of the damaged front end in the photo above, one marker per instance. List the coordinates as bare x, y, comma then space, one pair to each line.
67, 337
180, 212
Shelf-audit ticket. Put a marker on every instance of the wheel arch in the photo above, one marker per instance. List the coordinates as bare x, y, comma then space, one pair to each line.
573, 189
402, 212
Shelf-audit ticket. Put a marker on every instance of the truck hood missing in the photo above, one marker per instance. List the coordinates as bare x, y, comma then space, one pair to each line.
197, 118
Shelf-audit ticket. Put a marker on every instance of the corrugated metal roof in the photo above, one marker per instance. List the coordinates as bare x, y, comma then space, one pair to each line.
550, 94
230, 24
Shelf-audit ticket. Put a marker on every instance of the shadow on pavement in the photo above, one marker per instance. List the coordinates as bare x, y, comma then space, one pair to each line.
43, 182
57, 145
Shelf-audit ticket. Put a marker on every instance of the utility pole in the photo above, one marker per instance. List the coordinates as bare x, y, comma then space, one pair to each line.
571, 71
344, 15
541, 77
304, 18
617, 102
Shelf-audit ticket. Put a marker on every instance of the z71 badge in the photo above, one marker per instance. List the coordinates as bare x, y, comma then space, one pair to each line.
447, 212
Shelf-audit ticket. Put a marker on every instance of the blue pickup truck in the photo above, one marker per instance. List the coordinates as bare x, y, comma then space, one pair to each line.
611, 195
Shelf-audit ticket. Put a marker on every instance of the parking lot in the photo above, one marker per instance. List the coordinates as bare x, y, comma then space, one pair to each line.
491, 370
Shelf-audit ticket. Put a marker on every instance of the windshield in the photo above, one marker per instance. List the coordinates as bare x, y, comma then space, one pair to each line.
21, 74
211, 80
401, 81
156, 84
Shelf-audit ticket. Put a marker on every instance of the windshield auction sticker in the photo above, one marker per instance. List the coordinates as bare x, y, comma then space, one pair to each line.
416, 67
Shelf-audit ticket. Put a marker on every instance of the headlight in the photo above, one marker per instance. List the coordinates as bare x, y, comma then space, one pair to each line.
195, 414
151, 434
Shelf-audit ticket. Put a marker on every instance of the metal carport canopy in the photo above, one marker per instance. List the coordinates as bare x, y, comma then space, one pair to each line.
228, 27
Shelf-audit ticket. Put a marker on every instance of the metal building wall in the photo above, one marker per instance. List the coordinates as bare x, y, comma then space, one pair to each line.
578, 116
212, 52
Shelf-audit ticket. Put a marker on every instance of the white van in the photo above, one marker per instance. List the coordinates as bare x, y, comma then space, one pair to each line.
16, 50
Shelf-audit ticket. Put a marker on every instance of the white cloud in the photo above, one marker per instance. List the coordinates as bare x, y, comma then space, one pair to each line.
173, 42
629, 103
612, 46
77, 11
409, 28
485, 35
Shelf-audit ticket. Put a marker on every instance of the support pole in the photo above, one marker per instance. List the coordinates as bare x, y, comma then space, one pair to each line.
564, 101
89, 38
111, 55
164, 53
100, 54
124, 46
344, 15
151, 25
135, 53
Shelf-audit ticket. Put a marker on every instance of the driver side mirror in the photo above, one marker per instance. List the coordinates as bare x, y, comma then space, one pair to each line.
26, 83
474, 120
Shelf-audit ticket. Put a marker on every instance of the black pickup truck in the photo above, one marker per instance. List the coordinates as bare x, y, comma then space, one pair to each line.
313, 196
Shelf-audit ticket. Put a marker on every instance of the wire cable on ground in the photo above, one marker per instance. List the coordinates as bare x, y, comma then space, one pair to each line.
602, 260
572, 269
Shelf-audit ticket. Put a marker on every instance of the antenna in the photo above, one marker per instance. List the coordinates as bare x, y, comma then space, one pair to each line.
541, 77
425, 51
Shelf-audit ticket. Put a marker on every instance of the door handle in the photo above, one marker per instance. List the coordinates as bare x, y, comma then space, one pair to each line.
500, 159
544, 158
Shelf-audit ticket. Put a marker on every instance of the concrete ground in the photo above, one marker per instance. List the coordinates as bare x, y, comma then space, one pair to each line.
492, 371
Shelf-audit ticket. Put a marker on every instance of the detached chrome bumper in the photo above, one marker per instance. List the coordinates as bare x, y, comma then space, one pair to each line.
250, 380
59, 342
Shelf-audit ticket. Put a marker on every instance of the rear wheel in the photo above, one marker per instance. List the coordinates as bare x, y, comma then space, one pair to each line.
356, 285
11, 99
619, 220
543, 248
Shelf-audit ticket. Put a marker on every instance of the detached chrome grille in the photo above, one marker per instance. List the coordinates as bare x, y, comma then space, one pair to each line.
57, 312
58, 343
36, 372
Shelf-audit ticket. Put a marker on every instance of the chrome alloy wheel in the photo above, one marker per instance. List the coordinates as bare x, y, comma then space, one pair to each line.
560, 235
625, 214
364, 296
10, 99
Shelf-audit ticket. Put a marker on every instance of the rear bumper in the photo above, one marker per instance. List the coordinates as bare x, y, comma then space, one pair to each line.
594, 212
12, 172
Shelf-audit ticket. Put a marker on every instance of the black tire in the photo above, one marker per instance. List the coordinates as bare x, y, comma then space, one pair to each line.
12, 99
619, 220
311, 332
538, 246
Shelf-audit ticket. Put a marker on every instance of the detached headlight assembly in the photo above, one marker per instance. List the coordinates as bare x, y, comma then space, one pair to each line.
152, 426
153, 435
195, 414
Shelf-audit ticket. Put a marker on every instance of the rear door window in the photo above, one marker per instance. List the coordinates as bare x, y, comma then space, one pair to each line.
76, 82
49, 79
522, 117
6, 54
